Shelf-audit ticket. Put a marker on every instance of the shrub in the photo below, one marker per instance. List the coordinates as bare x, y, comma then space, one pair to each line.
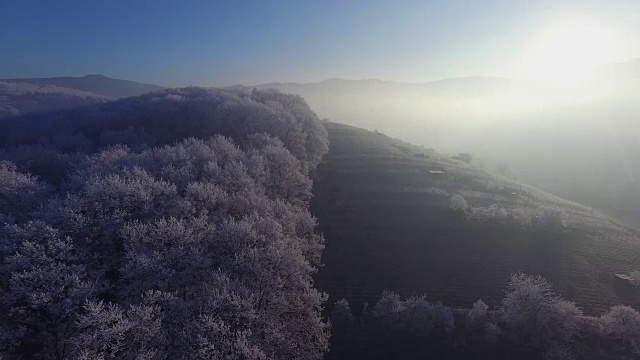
534, 316
622, 325
341, 314
458, 204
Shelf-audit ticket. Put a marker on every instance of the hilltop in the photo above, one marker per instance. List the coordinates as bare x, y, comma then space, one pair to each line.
389, 224
22, 96
96, 84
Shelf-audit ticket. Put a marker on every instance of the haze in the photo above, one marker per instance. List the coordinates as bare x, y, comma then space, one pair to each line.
216, 43
321, 180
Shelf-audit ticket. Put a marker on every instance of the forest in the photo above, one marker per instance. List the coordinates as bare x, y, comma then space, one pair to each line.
176, 225
173, 225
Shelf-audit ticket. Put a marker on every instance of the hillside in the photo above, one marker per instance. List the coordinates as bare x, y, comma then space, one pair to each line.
388, 225
185, 214
21, 98
577, 142
96, 84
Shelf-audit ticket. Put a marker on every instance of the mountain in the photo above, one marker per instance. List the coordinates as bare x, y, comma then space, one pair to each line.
19, 98
457, 87
97, 84
392, 218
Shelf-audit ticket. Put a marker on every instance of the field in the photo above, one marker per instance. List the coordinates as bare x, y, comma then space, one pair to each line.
388, 225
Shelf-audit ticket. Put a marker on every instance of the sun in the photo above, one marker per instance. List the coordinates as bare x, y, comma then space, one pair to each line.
568, 52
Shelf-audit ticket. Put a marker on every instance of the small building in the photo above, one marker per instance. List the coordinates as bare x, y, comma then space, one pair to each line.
419, 155
436, 172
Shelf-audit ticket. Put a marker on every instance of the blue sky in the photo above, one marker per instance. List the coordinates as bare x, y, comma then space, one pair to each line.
229, 42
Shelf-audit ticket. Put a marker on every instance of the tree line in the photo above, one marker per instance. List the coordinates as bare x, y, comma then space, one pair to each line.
531, 322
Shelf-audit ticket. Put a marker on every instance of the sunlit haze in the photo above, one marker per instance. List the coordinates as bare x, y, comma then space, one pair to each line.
570, 51
218, 43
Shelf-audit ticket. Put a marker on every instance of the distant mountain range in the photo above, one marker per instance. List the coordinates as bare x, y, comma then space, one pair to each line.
467, 86
456, 86
97, 84
19, 96
333, 98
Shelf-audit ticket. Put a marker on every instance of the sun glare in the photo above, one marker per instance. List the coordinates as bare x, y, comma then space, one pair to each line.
568, 52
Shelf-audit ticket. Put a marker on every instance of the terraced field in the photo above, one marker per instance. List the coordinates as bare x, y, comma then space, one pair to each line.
388, 225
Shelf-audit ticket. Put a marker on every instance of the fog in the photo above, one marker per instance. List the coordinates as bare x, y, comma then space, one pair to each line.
576, 139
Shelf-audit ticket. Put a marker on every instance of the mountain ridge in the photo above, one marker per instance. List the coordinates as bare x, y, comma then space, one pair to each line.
94, 83
376, 80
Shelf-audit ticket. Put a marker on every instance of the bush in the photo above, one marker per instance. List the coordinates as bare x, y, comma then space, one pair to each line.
622, 326
534, 316
458, 204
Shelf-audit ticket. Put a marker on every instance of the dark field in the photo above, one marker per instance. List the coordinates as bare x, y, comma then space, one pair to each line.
388, 225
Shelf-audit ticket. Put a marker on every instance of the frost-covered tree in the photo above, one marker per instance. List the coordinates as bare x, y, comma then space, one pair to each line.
534, 316
621, 325
173, 115
173, 216
346, 334
458, 204
202, 247
44, 284
20, 193
106, 331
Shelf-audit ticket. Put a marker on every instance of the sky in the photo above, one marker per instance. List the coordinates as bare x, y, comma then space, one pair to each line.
217, 43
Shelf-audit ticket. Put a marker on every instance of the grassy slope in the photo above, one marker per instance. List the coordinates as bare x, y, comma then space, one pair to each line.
388, 225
